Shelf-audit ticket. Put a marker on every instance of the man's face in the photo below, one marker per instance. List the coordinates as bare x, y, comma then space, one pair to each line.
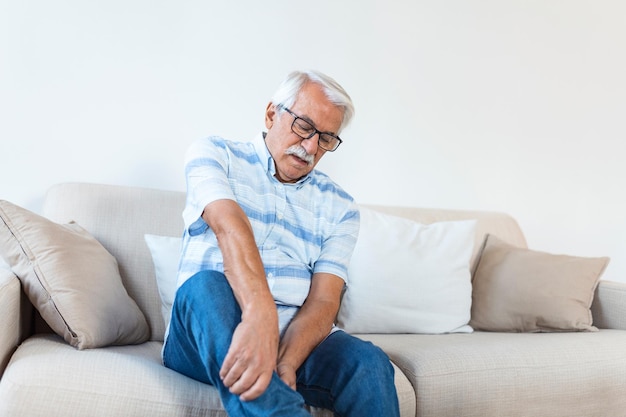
312, 105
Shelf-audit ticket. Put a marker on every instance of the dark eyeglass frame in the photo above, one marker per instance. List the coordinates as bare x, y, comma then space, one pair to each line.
313, 133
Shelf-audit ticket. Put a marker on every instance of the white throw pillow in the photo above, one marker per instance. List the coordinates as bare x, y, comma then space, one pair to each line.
165, 251
407, 277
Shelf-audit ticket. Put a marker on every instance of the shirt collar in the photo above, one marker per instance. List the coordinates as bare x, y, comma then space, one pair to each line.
264, 153
266, 158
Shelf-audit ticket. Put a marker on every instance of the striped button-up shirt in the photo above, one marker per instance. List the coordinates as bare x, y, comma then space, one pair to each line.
300, 229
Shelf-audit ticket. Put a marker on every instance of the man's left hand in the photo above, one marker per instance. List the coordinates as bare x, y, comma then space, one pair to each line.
287, 374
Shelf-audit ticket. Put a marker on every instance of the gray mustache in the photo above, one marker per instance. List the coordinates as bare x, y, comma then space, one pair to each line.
301, 153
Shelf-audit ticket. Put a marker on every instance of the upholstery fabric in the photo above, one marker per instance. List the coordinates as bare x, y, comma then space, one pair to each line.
578, 374
10, 326
609, 305
122, 381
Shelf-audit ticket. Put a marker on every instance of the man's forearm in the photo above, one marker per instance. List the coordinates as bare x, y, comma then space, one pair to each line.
308, 329
243, 266
312, 323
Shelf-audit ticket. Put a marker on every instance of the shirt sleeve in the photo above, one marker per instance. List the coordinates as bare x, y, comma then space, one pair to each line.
337, 249
206, 171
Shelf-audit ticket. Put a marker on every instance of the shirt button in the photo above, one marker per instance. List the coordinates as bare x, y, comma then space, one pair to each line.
279, 216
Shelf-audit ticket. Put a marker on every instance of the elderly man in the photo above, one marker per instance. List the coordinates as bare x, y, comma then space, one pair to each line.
266, 248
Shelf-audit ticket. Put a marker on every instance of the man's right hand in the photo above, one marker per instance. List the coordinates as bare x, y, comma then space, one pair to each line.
251, 358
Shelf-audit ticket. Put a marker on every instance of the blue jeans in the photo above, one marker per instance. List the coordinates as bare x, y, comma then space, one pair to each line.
347, 375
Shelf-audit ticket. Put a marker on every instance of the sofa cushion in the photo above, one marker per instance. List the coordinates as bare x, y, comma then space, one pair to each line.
522, 290
131, 381
576, 374
71, 279
407, 277
165, 252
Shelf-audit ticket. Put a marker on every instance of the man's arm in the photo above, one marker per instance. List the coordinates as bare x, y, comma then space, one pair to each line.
251, 358
310, 326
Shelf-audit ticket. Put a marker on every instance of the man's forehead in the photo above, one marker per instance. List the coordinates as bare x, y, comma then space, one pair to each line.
309, 100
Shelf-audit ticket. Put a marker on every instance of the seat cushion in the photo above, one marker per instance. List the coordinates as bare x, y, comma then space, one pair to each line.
513, 374
46, 377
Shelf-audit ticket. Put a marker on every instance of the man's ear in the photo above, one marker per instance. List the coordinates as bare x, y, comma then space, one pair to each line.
270, 114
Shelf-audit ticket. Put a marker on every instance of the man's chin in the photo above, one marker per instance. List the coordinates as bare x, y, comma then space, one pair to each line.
294, 174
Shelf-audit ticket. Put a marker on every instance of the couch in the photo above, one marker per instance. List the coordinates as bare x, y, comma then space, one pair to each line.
479, 373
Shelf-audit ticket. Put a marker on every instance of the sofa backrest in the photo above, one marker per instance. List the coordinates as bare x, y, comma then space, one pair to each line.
120, 216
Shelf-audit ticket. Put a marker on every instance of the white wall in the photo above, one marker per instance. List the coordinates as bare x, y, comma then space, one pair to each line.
515, 106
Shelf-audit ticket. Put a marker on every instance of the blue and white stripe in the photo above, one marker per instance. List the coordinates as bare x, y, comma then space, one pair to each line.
300, 229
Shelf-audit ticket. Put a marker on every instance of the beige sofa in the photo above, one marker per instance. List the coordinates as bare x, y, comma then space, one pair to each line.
478, 374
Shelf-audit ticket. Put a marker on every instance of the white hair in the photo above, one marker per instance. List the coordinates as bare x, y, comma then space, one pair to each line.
288, 91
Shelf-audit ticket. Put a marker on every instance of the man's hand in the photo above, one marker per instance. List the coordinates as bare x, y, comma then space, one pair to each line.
251, 358
287, 374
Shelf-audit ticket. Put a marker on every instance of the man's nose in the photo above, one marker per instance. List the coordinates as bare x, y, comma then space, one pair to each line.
311, 144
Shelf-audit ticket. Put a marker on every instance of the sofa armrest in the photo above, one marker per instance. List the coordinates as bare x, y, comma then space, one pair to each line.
609, 305
12, 316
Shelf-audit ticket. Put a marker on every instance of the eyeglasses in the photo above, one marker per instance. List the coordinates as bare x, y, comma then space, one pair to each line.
306, 130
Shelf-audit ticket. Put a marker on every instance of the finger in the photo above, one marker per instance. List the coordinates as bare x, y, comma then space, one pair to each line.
232, 367
233, 373
228, 363
257, 388
288, 379
249, 377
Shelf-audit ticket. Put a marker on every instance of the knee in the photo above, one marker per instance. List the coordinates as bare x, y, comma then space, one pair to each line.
204, 315
204, 287
206, 292
376, 358
371, 363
